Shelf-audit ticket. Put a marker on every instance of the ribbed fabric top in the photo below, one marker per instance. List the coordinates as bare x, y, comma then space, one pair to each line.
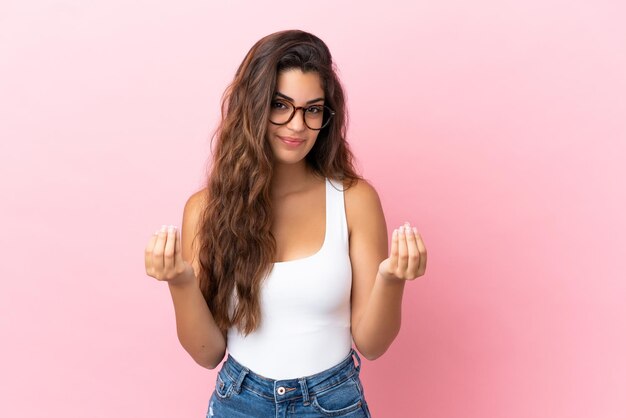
305, 307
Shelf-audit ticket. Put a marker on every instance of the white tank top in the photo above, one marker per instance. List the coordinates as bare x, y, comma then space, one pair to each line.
305, 307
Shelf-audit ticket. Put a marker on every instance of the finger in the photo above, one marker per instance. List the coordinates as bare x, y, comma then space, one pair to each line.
393, 259
422, 253
180, 264
157, 253
148, 252
403, 254
413, 262
168, 255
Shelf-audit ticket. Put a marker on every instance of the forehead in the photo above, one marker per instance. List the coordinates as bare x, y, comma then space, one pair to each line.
301, 87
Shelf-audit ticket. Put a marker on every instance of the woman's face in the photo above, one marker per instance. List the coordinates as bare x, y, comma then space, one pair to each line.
292, 142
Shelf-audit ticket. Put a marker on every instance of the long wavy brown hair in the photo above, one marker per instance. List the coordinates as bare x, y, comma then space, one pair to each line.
237, 247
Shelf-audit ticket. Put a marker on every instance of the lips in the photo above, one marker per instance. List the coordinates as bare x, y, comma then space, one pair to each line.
290, 141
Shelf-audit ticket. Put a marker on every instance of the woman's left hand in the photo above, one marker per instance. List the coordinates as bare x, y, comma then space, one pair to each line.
408, 255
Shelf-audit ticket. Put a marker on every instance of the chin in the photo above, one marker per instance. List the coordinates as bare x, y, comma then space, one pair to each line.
287, 159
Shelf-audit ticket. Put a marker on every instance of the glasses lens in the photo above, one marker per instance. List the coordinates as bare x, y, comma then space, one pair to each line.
280, 112
314, 116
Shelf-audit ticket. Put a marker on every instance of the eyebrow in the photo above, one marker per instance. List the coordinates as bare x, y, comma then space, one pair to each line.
291, 100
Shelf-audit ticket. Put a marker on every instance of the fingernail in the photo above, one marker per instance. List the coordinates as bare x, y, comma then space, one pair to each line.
171, 228
163, 228
415, 230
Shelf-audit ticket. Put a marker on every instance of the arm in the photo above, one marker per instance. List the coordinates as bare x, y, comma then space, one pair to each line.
377, 281
196, 329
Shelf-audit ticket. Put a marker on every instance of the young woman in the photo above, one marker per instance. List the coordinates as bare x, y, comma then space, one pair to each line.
282, 258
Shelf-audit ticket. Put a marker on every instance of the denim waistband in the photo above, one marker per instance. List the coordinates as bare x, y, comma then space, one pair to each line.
291, 389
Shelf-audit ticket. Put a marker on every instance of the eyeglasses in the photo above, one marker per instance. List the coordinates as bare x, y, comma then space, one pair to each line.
316, 117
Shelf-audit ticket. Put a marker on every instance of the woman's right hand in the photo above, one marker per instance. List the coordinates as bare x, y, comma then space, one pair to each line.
164, 259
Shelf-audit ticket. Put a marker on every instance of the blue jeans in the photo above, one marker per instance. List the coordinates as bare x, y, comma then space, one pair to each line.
335, 392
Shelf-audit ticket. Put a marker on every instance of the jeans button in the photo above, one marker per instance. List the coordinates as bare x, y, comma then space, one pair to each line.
280, 390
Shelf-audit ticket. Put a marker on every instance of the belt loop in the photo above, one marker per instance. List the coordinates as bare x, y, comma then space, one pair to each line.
358, 359
242, 375
305, 390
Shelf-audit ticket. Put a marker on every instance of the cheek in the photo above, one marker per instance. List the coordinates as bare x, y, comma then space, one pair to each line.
315, 137
271, 132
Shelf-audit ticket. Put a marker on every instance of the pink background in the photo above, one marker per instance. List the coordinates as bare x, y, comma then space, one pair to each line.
497, 127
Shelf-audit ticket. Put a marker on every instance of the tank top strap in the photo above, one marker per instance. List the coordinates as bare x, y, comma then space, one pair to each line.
337, 225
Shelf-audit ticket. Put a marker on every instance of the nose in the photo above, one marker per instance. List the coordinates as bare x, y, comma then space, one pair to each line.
297, 121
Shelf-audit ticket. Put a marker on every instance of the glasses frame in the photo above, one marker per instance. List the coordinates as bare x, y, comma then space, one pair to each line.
294, 109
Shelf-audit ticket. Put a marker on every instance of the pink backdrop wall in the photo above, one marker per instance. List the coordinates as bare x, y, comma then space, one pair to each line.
497, 127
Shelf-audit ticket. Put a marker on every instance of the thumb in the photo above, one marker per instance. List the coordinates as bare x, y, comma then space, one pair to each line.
178, 260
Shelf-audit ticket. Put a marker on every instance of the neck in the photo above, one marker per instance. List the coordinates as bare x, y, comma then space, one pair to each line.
288, 178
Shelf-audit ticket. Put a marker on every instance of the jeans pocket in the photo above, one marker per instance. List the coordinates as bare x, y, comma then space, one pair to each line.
339, 400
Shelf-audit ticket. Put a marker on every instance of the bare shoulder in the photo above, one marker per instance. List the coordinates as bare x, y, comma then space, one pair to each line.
361, 189
198, 200
362, 203
194, 207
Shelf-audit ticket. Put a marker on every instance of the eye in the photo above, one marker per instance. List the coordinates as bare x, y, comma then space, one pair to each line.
315, 109
278, 105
